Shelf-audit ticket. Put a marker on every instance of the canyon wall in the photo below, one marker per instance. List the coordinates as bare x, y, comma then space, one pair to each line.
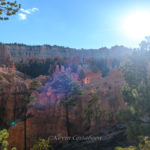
19, 53
5, 56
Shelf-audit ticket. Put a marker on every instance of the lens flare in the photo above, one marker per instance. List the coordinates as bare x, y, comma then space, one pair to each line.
137, 25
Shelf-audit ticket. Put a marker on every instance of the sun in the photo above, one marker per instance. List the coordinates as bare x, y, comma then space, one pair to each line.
137, 25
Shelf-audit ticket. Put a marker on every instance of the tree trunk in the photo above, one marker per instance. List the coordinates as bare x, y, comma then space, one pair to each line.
15, 101
67, 119
25, 127
2, 111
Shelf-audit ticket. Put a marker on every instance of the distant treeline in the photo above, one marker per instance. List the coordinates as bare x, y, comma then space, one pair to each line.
35, 67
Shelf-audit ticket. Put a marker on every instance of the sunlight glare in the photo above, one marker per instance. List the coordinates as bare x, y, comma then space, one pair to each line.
137, 25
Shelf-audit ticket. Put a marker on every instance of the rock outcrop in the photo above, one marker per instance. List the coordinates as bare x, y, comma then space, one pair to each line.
12, 92
5, 56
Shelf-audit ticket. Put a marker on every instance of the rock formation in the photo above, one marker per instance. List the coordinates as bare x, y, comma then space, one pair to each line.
5, 57
19, 53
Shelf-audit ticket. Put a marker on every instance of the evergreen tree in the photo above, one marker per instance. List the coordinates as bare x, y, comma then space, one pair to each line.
93, 110
63, 83
34, 85
8, 8
136, 95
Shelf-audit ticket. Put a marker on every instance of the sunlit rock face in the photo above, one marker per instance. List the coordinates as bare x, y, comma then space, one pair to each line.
5, 57
12, 90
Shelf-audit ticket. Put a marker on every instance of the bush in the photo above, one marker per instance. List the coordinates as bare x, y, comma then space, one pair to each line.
3, 140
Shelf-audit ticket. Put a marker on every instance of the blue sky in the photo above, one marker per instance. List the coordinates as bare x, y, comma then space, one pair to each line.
71, 23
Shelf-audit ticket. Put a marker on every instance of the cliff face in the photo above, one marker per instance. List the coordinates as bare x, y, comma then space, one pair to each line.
19, 53
12, 88
5, 56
